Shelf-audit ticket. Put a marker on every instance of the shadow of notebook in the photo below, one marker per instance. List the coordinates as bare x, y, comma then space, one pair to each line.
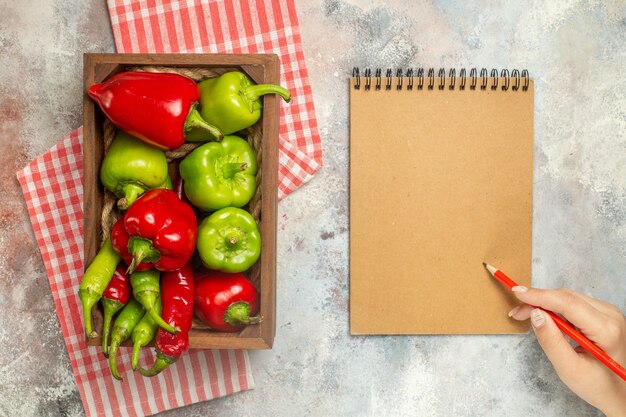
440, 181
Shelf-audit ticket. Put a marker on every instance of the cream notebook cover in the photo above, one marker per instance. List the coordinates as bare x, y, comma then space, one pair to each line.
441, 171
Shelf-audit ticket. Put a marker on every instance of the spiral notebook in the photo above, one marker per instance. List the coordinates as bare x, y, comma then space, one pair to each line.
441, 171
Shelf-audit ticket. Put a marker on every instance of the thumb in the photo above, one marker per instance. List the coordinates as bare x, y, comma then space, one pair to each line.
562, 355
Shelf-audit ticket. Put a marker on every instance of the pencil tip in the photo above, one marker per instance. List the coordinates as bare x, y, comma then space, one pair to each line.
489, 268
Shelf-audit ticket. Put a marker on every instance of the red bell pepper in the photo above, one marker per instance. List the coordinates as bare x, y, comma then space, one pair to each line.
226, 302
158, 108
177, 296
158, 230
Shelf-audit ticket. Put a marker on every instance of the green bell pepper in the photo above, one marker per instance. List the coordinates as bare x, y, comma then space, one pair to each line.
229, 240
131, 167
231, 102
220, 174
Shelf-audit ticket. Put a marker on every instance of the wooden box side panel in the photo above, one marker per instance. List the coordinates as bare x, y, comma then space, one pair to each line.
269, 204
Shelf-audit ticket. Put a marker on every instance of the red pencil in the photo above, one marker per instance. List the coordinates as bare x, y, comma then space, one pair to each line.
566, 328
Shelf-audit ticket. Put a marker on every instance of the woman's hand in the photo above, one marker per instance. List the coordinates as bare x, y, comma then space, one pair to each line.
601, 322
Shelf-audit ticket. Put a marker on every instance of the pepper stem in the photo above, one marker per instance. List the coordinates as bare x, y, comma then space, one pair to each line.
229, 169
110, 308
195, 120
141, 250
233, 237
88, 300
253, 92
131, 192
162, 361
239, 313
162, 323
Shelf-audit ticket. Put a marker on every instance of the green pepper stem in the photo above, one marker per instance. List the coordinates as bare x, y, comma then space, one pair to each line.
146, 291
88, 300
141, 250
239, 313
162, 361
229, 169
131, 192
195, 120
162, 323
233, 237
110, 308
148, 299
253, 92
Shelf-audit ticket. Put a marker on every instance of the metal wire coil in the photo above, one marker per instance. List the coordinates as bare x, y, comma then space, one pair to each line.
511, 80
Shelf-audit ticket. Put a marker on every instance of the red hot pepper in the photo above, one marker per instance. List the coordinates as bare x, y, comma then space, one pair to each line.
226, 302
113, 299
177, 296
158, 108
158, 230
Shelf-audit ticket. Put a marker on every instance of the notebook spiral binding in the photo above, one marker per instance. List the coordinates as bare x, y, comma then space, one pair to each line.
514, 80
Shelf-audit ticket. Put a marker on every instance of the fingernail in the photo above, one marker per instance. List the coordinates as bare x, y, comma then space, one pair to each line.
512, 312
519, 288
536, 318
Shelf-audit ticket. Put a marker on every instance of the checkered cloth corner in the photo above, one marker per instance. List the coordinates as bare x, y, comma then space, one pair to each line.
53, 189
237, 26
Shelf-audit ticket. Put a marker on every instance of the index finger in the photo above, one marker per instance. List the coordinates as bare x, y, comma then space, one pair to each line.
563, 301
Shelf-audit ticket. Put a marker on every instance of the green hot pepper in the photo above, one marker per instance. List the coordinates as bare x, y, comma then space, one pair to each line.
114, 298
146, 290
229, 240
144, 332
124, 324
220, 174
95, 281
131, 167
231, 102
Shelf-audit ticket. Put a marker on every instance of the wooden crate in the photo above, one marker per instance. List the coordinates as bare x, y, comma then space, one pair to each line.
262, 69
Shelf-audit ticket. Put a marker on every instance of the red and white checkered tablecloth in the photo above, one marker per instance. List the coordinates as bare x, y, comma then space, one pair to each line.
53, 189
240, 26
